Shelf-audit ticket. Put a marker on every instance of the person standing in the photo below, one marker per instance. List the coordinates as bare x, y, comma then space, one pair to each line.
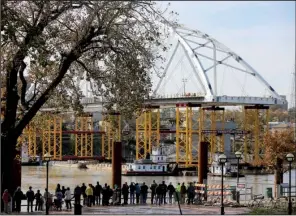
138, 191
89, 194
144, 191
171, 190
83, 188
93, 199
178, 193
48, 199
191, 193
153, 191
59, 199
125, 193
183, 193
30, 199
38, 205
132, 193
98, 191
17, 197
158, 195
63, 191
164, 188
77, 194
6, 199
68, 198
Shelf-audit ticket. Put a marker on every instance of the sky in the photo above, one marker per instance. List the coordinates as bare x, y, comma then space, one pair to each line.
262, 33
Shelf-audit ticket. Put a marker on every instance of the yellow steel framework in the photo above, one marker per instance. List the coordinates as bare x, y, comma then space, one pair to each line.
210, 118
30, 135
84, 137
182, 134
52, 138
193, 126
112, 125
188, 126
255, 120
147, 131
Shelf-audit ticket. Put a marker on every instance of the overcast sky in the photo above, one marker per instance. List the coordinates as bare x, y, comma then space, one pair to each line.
262, 33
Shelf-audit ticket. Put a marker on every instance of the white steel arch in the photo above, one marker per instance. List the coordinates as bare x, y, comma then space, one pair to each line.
185, 37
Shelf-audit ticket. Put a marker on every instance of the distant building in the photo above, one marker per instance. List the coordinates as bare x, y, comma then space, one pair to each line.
280, 126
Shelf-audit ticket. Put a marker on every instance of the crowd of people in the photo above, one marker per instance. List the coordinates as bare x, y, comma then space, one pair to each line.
134, 193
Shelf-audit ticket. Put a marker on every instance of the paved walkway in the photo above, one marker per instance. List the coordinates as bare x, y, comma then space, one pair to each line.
149, 209
164, 210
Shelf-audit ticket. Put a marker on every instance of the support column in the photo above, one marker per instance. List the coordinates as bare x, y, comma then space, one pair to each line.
116, 164
256, 120
113, 122
84, 139
203, 162
216, 140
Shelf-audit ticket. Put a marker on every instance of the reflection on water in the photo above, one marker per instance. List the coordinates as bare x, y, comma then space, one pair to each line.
70, 177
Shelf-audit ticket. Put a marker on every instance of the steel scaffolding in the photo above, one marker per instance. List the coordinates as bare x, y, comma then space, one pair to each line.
147, 131
84, 138
256, 119
31, 136
112, 127
211, 116
52, 138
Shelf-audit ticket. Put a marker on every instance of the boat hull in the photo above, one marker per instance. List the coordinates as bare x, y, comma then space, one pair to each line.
31, 164
149, 174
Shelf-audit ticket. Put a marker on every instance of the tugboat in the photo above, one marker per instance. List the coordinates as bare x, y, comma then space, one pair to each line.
28, 160
228, 170
156, 166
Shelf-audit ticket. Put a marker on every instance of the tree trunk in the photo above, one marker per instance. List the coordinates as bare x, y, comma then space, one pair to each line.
10, 166
278, 177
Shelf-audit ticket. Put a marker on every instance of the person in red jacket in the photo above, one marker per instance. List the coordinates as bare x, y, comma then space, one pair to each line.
6, 199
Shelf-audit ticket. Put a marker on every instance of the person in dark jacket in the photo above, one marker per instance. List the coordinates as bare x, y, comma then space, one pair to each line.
104, 195
153, 191
144, 191
98, 191
77, 194
132, 193
39, 203
30, 198
83, 188
125, 193
183, 192
93, 198
158, 194
164, 191
138, 191
63, 191
190, 193
17, 197
58, 188
171, 190
109, 194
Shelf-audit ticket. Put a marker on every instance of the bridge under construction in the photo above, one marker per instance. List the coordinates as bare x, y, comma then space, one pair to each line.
196, 116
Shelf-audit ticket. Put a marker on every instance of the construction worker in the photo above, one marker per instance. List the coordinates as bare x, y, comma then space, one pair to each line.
178, 192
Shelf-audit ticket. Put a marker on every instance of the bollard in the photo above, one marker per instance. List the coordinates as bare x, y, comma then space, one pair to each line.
77, 209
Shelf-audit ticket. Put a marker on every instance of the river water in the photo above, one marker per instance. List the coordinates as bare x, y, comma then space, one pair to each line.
70, 177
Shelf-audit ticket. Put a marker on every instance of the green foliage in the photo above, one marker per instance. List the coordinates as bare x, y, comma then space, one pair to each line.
111, 44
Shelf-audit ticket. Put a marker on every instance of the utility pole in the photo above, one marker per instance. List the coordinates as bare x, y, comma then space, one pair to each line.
184, 81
